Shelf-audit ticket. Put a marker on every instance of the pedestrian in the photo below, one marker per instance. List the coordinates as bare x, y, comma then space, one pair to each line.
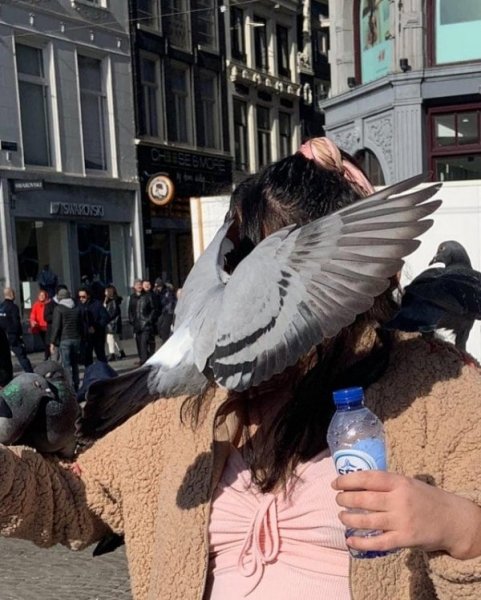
94, 323
11, 323
6, 368
112, 304
66, 334
38, 324
142, 311
227, 495
147, 289
48, 316
168, 301
47, 280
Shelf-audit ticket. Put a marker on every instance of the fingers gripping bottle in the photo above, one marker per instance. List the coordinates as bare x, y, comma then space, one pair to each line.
356, 440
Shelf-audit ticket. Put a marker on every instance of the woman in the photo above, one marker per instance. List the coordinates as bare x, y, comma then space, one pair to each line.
229, 495
38, 324
112, 302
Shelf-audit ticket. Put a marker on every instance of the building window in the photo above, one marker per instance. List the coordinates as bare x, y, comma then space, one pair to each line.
237, 33
456, 143
205, 20
370, 165
148, 13
260, 43
457, 29
208, 128
34, 106
92, 106
151, 94
179, 122
263, 136
285, 134
282, 50
176, 22
241, 147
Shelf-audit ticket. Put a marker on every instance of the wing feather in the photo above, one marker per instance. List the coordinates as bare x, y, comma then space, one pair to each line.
301, 285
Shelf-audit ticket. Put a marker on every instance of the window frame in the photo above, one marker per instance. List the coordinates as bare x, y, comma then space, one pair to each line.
156, 24
258, 63
43, 81
267, 131
454, 150
185, 14
283, 71
245, 129
288, 152
173, 64
159, 102
216, 111
238, 53
102, 96
199, 17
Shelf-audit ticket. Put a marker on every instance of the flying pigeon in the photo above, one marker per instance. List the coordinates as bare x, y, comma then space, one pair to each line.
297, 287
20, 401
442, 298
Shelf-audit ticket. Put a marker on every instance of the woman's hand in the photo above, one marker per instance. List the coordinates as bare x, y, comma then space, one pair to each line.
410, 513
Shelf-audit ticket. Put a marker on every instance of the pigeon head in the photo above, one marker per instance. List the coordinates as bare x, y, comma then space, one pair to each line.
19, 403
51, 370
451, 253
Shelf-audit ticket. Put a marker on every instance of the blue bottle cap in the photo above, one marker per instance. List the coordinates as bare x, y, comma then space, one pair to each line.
346, 396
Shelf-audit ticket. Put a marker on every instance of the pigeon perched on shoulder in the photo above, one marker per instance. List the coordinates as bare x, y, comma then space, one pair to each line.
442, 298
20, 402
240, 326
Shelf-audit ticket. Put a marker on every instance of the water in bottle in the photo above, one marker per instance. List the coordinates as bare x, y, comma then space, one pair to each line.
356, 440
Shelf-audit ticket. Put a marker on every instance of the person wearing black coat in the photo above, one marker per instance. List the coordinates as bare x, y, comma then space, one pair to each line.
6, 368
66, 334
94, 321
142, 315
112, 304
11, 323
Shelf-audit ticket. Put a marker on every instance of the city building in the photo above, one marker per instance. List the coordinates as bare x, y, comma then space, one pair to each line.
405, 91
263, 79
68, 186
178, 52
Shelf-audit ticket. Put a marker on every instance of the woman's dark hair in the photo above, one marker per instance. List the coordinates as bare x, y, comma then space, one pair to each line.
296, 190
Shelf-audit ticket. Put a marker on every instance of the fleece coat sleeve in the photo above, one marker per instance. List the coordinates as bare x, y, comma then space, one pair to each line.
48, 502
454, 444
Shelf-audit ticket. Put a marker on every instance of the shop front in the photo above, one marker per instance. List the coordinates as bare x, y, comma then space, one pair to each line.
169, 177
84, 234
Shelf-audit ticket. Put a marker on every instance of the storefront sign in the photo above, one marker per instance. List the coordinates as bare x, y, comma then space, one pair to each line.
160, 190
192, 173
73, 209
27, 186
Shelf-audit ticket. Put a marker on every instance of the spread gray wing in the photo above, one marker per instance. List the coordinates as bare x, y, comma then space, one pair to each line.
300, 286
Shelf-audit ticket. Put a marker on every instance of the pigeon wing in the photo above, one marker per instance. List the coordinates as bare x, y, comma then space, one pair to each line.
302, 285
176, 368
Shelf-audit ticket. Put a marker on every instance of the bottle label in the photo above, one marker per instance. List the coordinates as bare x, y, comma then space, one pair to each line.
351, 460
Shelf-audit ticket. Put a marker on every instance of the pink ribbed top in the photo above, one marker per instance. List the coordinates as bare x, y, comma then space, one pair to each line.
271, 546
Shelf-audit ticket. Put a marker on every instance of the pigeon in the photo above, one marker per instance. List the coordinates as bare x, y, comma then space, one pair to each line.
20, 402
297, 287
442, 298
54, 428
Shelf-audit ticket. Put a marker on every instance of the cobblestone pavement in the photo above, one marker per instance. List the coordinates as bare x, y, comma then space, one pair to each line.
31, 573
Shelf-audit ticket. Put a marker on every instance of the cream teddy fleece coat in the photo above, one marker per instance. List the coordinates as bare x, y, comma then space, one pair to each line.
152, 479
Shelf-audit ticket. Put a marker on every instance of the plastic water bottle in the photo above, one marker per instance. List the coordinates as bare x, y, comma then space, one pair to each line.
356, 440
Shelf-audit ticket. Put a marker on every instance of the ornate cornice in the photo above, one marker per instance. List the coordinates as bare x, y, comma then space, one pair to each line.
276, 85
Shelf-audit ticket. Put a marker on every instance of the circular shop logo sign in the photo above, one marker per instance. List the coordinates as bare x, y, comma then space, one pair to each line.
160, 190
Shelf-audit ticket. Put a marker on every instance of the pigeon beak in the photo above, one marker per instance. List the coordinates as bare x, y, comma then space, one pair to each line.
49, 392
435, 259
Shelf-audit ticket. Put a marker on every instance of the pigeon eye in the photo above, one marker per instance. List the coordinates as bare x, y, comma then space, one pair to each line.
36, 384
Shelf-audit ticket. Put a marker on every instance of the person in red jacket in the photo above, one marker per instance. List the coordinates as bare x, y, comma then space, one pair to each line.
38, 325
